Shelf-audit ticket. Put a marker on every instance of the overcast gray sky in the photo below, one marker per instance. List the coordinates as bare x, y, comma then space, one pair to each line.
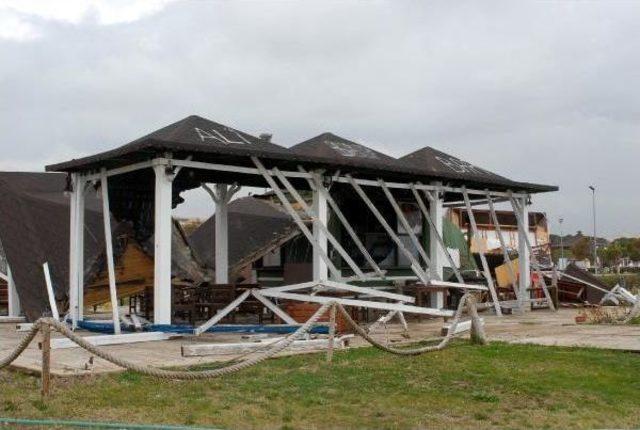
543, 92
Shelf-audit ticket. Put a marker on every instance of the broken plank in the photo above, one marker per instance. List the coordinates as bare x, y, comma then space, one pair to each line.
204, 349
460, 328
113, 339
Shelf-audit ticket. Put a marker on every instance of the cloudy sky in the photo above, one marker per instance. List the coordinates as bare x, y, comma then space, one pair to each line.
543, 92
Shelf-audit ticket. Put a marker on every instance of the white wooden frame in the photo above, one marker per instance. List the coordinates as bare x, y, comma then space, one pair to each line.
503, 247
485, 266
299, 222
316, 185
161, 165
415, 265
221, 196
534, 261
50, 294
108, 241
359, 303
325, 230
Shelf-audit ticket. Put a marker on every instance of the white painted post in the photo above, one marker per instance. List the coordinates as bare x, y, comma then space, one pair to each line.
222, 237
108, 241
76, 250
436, 210
524, 259
50, 293
14, 299
320, 269
162, 254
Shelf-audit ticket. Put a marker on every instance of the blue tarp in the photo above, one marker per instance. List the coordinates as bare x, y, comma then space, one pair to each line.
105, 327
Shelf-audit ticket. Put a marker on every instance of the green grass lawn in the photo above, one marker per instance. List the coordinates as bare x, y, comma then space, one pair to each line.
464, 386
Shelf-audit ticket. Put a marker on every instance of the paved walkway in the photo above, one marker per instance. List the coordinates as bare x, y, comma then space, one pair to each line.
539, 327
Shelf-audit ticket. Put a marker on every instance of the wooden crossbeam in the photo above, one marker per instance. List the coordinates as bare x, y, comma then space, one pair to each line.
360, 303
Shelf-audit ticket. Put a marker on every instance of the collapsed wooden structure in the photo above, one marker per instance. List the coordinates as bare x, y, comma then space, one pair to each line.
141, 182
34, 230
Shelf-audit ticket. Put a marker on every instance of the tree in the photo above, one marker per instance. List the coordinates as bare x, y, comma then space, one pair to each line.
610, 255
581, 248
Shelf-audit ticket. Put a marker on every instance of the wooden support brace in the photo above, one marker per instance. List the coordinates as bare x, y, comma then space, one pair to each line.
483, 258
316, 184
222, 313
415, 265
427, 216
503, 246
334, 242
534, 261
273, 307
296, 218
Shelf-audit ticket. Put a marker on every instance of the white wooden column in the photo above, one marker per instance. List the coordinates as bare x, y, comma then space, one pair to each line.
162, 246
222, 234
108, 241
436, 210
320, 269
524, 259
76, 249
14, 300
221, 196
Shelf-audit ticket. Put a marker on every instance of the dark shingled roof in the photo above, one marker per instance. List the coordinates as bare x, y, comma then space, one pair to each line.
255, 226
191, 134
437, 163
207, 140
332, 148
34, 229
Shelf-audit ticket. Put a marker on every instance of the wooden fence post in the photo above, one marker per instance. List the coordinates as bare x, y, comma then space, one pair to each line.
478, 335
46, 359
332, 332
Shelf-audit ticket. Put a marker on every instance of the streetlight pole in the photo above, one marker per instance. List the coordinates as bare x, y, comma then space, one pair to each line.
595, 240
561, 220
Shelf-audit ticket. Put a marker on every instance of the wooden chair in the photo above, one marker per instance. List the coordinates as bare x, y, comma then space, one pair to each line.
183, 302
211, 298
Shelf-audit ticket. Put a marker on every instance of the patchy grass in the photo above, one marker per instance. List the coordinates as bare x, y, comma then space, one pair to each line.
464, 386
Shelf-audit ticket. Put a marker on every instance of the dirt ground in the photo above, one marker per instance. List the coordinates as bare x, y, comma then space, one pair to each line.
540, 327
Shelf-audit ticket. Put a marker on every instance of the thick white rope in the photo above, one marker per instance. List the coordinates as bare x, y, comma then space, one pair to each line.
207, 374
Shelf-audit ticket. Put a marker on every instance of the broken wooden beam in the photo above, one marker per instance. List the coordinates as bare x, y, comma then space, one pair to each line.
460, 328
113, 339
204, 349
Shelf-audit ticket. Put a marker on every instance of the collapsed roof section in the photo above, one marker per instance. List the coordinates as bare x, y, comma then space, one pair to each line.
34, 229
208, 141
255, 227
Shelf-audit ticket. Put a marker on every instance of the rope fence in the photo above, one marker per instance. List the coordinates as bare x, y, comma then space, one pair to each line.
44, 325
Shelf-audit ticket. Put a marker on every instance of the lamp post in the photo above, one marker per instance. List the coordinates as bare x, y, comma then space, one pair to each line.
561, 220
595, 241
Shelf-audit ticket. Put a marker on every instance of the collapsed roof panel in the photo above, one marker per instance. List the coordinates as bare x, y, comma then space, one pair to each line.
34, 229
255, 226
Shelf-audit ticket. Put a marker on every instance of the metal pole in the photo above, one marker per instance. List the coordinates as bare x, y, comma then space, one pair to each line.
595, 241
561, 220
